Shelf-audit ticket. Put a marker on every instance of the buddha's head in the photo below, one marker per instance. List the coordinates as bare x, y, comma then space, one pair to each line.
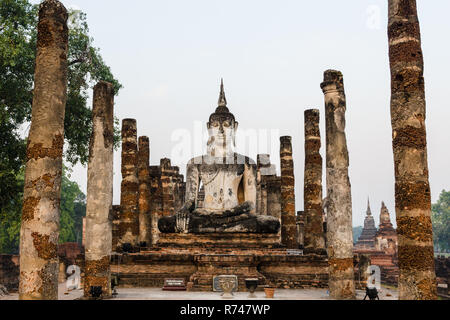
222, 126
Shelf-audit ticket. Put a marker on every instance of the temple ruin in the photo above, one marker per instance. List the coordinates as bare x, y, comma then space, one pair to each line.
214, 223
380, 244
229, 215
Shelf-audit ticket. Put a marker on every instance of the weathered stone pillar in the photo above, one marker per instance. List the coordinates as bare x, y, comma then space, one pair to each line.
42, 193
129, 195
288, 220
100, 192
314, 238
417, 279
339, 213
145, 235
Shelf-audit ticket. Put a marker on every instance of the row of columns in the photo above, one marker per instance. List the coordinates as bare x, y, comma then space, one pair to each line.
40, 215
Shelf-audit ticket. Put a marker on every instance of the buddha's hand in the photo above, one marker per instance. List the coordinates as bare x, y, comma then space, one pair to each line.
183, 216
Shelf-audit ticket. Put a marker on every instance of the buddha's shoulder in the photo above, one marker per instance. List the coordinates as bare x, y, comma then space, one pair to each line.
241, 159
205, 159
196, 160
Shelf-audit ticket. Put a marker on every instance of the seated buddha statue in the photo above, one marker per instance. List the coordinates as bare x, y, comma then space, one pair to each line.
229, 183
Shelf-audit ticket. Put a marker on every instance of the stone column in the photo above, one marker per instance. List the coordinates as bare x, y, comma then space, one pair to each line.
339, 207
168, 199
300, 219
115, 225
274, 196
263, 167
417, 279
144, 191
314, 238
288, 220
42, 192
129, 195
100, 192
156, 203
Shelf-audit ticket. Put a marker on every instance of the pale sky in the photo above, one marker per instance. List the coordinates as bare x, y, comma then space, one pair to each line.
170, 56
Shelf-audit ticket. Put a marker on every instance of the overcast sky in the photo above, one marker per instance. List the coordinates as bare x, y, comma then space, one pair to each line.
170, 56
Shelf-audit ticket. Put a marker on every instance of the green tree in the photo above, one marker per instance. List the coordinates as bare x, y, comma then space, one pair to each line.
73, 209
440, 217
18, 21
18, 33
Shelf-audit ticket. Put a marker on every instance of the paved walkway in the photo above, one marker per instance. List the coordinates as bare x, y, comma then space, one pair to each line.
158, 294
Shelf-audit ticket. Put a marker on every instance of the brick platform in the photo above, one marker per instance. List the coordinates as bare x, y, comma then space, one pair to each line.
198, 258
219, 240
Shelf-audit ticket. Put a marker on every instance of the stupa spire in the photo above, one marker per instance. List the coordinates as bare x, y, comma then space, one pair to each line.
368, 212
222, 98
222, 111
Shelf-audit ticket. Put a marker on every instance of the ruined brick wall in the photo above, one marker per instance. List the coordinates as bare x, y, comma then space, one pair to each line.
9, 272
267, 196
442, 266
69, 252
274, 196
167, 189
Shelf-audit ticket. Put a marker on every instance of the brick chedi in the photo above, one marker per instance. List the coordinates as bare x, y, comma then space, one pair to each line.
129, 193
367, 238
167, 188
43, 168
98, 235
386, 236
339, 199
314, 237
417, 279
288, 220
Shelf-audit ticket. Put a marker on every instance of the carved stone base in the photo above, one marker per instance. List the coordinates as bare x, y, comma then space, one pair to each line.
199, 266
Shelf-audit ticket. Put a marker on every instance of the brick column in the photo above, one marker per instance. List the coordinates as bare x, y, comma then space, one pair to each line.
42, 192
100, 192
273, 184
144, 191
288, 220
156, 203
417, 279
314, 238
339, 214
168, 199
129, 195
300, 219
263, 170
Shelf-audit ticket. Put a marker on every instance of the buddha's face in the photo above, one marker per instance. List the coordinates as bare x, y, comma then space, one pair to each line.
222, 132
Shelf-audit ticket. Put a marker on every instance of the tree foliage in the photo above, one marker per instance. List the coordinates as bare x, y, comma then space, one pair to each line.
73, 209
441, 222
